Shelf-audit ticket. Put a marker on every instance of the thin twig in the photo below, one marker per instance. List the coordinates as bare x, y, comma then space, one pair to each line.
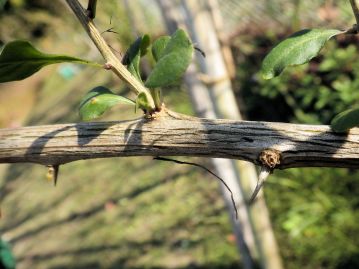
119, 53
110, 30
206, 169
200, 51
116, 66
355, 9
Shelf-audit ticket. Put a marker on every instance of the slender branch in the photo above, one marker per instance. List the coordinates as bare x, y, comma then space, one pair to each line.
355, 9
112, 62
91, 9
297, 145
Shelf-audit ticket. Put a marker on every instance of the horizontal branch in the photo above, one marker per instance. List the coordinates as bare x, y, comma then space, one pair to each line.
298, 145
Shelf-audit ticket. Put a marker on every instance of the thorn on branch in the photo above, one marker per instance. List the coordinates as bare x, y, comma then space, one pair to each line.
52, 173
269, 159
206, 169
263, 175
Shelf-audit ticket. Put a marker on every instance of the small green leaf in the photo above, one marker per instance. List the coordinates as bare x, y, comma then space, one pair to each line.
7, 259
98, 101
146, 41
179, 40
346, 120
173, 61
297, 49
133, 55
2, 4
19, 60
142, 102
158, 47
168, 70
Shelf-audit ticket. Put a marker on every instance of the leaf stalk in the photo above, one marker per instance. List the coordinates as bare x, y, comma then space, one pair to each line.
156, 94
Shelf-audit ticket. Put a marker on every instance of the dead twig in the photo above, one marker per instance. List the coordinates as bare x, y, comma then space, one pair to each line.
206, 169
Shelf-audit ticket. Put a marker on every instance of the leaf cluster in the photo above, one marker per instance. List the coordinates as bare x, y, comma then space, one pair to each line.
298, 49
172, 54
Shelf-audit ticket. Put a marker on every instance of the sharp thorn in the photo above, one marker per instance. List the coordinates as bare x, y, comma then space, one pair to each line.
52, 173
263, 175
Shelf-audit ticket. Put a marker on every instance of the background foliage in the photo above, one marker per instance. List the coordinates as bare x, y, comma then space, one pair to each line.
315, 211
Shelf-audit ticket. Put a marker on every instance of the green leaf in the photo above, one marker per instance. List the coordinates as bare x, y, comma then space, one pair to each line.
146, 41
2, 4
133, 55
297, 49
346, 120
158, 47
6, 256
142, 102
19, 60
98, 101
173, 61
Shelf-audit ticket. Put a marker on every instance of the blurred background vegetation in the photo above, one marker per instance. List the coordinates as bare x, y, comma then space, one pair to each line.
141, 213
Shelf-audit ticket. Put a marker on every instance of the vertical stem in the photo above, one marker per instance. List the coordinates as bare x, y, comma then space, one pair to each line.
355, 9
156, 95
113, 62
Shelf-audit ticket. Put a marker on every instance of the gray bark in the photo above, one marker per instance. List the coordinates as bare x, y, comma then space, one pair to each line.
175, 135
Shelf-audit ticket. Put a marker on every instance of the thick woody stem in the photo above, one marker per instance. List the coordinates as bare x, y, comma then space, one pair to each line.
293, 145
